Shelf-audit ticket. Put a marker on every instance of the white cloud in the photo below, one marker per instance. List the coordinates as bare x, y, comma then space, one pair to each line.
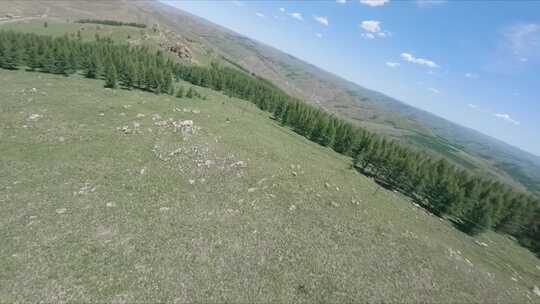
472, 106
297, 16
341, 1
374, 2
321, 19
259, 15
373, 29
426, 3
523, 39
237, 3
319, 35
392, 64
368, 35
281, 9
507, 118
421, 61
433, 90
372, 26
472, 75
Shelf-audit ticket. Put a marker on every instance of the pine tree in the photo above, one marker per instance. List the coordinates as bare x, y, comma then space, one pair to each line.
190, 93
180, 92
110, 75
11, 56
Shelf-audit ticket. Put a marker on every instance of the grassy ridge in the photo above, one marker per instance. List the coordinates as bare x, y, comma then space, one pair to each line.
84, 222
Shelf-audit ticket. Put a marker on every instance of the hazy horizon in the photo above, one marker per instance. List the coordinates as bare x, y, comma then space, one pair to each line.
475, 85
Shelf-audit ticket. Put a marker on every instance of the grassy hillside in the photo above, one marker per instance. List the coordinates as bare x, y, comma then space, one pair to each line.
103, 201
375, 111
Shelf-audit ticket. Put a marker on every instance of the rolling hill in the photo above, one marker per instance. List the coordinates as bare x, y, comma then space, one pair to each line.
104, 199
208, 42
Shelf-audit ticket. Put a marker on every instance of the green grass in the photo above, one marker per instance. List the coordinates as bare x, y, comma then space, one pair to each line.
81, 223
58, 28
442, 146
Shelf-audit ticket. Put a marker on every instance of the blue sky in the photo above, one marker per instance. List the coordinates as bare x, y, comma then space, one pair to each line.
476, 63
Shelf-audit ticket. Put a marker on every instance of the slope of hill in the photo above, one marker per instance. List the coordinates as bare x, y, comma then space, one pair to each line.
103, 201
375, 111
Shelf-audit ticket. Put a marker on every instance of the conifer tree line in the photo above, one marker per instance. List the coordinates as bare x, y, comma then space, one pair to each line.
474, 203
112, 22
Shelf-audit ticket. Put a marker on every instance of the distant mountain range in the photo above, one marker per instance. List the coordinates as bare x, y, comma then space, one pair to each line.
373, 110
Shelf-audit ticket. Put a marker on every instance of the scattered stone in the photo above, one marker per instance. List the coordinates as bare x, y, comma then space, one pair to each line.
513, 279
337, 188
416, 205
127, 106
32, 217
536, 291
480, 243
142, 171
240, 164
250, 190
61, 210
327, 185
292, 208
34, 117
538, 267
156, 117
140, 115
175, 152
196, 112
164, 209
110, 205
33, 90
294, 173
161, 123
136, 125
191, 181
122, 114
124, 129
101, 114
61, 139
334, 204
208, 163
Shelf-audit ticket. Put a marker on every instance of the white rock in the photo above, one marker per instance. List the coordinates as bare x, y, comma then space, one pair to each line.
140, 115
142, 171
110, 204
122, 114
513, 279
250, 190
191, 181
164, 209
33, 117
101, 114
334, 204
536, 291
61, 210
292, 208
294, 173
481, 243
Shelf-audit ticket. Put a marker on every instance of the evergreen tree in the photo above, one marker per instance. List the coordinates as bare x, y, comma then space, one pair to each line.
110, 75
180, 92
190, 93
